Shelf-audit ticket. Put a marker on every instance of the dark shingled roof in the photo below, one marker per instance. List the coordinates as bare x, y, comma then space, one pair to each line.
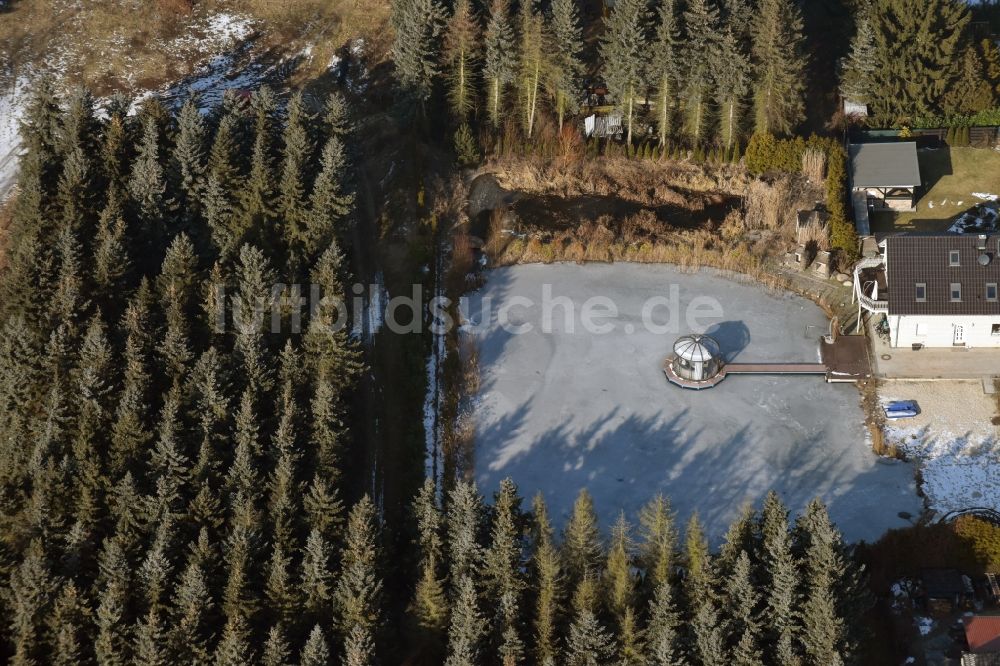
925, 258
884, 165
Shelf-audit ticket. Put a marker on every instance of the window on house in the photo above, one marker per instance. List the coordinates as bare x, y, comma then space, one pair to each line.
921, 292
956, 291
991, 291
954, 258
996, 330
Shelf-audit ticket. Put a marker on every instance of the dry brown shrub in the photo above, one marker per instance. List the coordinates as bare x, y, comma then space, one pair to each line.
814, 165
815, 233
570, 144
734, 226
765, 203
469, 354
462, 256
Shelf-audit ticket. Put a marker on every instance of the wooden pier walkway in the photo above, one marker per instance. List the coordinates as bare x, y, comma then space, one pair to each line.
775, 369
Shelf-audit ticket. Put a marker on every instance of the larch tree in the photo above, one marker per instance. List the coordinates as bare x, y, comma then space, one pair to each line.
732, 79
665, 66
624, 51
581, 545
620, 591
779, 63
500, 58
565, 66
547, 577
461, 54
701, 19
532, 61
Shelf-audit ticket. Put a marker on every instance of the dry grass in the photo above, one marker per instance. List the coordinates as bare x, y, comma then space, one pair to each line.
814, 165
132, 44
648, 182
766, 204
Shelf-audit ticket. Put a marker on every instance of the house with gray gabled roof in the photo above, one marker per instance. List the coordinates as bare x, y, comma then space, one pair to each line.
935, 290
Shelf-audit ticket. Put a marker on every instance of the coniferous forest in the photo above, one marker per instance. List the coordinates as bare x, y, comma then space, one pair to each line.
173, 462
178, 390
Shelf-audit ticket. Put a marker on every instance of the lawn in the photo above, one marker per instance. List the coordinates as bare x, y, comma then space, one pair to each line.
952, 174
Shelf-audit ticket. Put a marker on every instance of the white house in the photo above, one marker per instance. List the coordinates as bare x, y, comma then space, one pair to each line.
935, 290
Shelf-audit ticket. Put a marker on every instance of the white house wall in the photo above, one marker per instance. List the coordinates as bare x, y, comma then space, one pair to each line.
939, 331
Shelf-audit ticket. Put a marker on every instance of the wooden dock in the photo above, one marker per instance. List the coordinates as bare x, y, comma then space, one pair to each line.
846, 359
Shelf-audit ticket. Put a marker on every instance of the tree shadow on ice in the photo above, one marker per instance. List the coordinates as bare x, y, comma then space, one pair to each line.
624, 460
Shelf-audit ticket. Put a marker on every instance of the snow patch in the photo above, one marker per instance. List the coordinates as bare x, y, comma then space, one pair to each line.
12, 103
985, 196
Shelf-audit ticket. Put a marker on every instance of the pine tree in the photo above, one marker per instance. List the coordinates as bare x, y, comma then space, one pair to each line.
624, 49
329, 202
359, 650
499, 61
316, 577
779, 67
30, 588
565, 66
461, 53
665, 69
221, 188
257, 199
701, 20
743, 536
69, 617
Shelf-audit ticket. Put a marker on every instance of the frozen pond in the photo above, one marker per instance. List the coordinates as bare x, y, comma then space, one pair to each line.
561, 408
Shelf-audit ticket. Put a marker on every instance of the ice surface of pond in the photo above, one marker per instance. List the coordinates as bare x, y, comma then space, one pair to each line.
561, 409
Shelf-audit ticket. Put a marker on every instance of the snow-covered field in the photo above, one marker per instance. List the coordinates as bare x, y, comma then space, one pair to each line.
11, 111
957, 447
564, 410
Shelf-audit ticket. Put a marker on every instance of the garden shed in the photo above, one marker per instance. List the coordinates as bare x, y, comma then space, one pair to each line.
888, 174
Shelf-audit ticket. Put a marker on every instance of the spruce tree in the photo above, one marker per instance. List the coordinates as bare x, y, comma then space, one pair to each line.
918, 45
732, 83
415, 52
782, 582
466, 628
565, 66
464, 516
316, 651
665, 69
429, 606
663, 633
779, 67
743, 607
701, 20
588, 642
503, 566
189, 159
359, 588
499, 59
857, 78
624, 51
